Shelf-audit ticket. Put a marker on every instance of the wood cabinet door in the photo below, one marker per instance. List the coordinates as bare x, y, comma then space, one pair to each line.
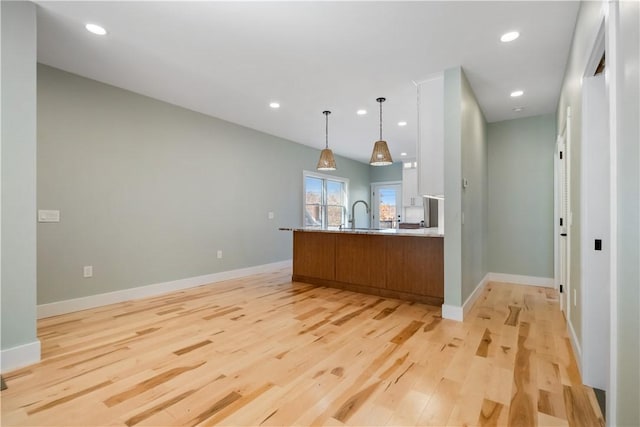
360, 259
415, 266
424, 267
395, 271
314, 254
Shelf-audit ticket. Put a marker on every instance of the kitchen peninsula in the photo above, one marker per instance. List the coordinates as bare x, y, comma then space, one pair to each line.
393, 263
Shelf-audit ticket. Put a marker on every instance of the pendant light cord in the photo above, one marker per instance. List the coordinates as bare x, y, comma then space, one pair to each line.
381, 100
326, 131
380, 119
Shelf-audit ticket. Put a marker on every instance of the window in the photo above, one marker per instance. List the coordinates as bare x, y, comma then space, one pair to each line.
325, 200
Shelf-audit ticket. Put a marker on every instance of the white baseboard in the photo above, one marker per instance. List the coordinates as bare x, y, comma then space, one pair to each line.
577, 350
468, 304
92, 301
453, 312
19, 356
548, 282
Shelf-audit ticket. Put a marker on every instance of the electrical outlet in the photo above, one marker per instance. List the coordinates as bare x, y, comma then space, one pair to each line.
270, 215
48, 216
87, 271
575, 297
219, 254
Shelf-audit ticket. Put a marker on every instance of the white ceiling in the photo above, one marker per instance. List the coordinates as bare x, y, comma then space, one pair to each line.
230, 59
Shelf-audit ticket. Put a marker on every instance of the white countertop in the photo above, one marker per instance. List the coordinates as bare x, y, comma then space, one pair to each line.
418, 232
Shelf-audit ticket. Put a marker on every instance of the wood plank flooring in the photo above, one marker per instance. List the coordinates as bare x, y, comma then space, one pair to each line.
265, 351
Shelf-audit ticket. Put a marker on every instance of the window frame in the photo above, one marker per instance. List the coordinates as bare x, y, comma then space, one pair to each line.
324, 205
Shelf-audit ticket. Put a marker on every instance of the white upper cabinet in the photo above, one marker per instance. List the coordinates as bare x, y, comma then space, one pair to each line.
431, 136
410, 194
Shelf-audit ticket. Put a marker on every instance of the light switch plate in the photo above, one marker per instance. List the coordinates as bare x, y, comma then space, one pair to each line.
87, 271
48, 215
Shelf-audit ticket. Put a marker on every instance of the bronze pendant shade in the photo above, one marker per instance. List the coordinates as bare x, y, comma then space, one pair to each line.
380, 155
326, 161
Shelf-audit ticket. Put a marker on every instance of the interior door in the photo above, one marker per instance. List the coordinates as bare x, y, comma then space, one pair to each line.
387, 205
595, 232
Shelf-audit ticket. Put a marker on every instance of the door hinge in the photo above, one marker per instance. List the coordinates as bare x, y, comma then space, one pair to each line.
560, 222
560, 288
561, 155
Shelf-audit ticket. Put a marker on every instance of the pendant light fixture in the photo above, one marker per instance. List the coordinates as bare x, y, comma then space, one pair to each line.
381, 155
326, 161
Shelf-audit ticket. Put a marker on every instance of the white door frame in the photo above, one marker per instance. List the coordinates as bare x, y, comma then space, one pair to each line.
374, 221
611, 28
556, 215
570, 292
563, 145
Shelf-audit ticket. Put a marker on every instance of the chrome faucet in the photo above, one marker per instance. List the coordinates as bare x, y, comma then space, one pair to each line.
352, 218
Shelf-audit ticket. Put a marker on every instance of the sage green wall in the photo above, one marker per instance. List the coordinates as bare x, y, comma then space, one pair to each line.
628, 182
587, 24
452, 187
520, 159
18, 174
465, 156
386, 173
473, 137
148, 192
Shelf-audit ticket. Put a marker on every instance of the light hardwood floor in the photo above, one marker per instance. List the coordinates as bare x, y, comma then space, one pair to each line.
265, 351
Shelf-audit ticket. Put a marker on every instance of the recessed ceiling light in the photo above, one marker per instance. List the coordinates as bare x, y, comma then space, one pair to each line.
509, 37
516, 93
274, 105
402, 123
361, 112
518, 109
403, 154
96, 29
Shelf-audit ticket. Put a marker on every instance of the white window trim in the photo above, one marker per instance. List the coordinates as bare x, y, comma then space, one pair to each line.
306, 173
